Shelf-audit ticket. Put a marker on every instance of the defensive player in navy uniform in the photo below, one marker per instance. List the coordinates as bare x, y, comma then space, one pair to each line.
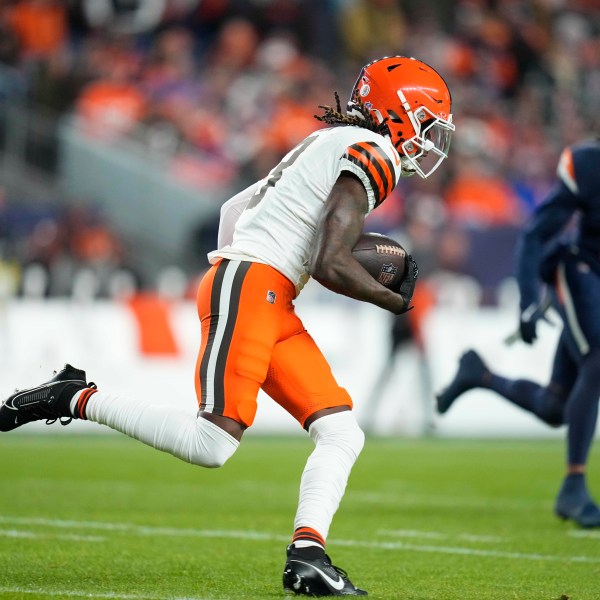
558, 252
303, 219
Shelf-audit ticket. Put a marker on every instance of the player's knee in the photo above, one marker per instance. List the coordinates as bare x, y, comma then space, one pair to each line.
212, 446
356, 437
213, 458
553, 414
212, 461
340, 429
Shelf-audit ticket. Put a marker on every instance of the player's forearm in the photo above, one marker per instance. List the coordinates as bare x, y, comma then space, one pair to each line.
353, 281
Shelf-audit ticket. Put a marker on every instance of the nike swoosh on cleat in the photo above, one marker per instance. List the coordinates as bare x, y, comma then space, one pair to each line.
336, 585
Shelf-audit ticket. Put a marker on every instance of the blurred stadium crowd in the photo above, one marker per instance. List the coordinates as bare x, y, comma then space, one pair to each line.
221, 89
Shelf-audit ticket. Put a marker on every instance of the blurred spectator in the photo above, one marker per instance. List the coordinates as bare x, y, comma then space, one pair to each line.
292, 88
112, 105
478, 197
373, 28
63, 251
41, 27
54, 84
10, 47
233, 51
133, 16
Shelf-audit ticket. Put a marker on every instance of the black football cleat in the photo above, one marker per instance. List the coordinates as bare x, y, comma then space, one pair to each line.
50, 400
309, 572
586, 515
574, 503
471, 374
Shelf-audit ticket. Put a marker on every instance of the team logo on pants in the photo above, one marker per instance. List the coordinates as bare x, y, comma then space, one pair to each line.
271, 297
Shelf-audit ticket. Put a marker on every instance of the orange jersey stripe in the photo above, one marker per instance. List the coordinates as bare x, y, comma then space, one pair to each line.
376, 181
377, 167
385, 164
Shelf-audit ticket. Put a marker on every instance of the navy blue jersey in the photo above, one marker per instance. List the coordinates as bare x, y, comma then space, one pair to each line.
574, 200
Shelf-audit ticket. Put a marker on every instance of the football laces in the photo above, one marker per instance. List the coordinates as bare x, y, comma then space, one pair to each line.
387, 249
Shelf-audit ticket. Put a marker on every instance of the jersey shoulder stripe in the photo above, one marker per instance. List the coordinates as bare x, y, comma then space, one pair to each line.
376, 165
566, 170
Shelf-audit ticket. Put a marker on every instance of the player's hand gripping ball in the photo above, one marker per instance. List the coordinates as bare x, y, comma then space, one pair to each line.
383, 258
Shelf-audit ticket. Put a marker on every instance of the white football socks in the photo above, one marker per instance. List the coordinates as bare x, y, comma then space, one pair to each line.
338, 442
182, 434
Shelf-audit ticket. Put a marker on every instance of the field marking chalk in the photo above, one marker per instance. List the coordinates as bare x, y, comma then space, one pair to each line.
259, 535
78, 594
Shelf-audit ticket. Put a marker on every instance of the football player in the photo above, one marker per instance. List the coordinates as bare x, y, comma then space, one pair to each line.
301, 220
570, 267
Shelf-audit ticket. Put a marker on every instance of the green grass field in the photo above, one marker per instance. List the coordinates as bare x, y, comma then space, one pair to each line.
106, 517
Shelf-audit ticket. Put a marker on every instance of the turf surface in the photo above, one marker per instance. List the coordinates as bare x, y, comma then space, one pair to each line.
106, 517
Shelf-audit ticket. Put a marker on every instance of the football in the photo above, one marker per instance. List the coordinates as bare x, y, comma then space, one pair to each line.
383, 258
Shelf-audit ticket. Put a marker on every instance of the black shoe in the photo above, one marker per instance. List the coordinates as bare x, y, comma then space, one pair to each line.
50, 400
471, 374
309, 572
575, 503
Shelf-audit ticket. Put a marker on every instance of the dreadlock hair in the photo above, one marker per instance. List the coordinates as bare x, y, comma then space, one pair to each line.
336, 117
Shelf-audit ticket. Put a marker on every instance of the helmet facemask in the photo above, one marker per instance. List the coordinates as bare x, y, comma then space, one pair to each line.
428, 148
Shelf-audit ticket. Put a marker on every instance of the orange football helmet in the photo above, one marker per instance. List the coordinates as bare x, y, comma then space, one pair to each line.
413, 101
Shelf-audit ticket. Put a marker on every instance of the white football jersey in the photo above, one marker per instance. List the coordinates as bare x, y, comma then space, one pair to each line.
274, 221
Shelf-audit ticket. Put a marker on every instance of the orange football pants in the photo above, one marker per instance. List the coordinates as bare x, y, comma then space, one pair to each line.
251, 338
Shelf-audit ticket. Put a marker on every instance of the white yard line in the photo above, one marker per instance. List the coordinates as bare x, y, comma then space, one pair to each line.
77, 594
258, 535
585, 533
438, 535
400, 499
18, 533
413, 533
468, 551
143, 529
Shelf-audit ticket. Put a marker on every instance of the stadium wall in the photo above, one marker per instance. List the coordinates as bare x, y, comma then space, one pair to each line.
148, 346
